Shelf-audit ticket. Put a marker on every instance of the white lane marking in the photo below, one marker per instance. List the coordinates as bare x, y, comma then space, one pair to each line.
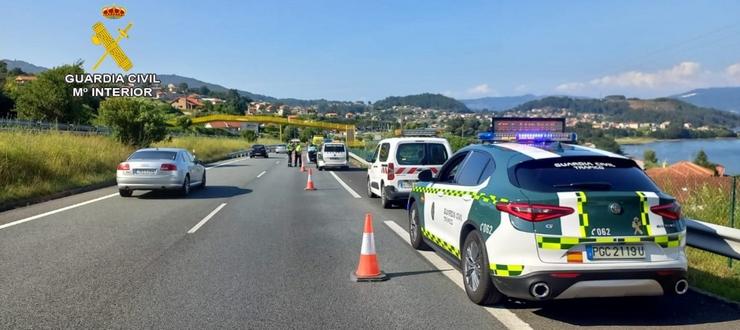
346, 187
261, 174
222, 164
208, 217
17, 222
505, 316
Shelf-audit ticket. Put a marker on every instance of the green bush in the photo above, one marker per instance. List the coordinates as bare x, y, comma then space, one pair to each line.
134, 121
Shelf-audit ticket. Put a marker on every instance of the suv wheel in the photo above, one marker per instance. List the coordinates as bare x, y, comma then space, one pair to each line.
476, 272
415, 236
384, 201
185, 189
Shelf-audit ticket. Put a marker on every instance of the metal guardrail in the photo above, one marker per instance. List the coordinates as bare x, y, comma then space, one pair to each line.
717, 239
237, 154
40, 125
359, 159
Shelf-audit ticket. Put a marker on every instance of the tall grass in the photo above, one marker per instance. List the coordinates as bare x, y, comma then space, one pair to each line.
34, 163
707, 199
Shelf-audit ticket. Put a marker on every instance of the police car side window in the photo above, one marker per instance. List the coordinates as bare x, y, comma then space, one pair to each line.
384, 148
471, 173
452, 168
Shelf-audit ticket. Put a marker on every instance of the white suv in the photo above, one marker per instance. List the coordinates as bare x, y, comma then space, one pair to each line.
332, 154
396, 164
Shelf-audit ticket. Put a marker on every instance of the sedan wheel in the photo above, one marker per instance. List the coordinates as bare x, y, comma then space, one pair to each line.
185, 190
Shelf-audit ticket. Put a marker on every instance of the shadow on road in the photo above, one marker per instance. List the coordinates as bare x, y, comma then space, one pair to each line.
208, 193
234, 165
418, 272
352, 169
690, 309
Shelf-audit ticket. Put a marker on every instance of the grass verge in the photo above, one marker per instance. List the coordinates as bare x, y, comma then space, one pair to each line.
209, 149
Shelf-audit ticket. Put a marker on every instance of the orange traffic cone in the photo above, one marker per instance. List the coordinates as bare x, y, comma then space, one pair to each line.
368, 270
309, 183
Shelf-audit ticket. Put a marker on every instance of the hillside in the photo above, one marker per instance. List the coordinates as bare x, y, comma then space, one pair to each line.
620, 109
722, 98
195, 83
426, 100
25, 66
498, 103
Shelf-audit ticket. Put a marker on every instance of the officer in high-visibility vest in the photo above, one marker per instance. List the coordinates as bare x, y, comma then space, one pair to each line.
298, 155
291, 150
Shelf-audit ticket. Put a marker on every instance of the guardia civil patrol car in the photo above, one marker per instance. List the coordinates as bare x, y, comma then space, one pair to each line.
532, 217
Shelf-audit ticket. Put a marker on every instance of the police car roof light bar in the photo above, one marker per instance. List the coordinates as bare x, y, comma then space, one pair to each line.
527, 137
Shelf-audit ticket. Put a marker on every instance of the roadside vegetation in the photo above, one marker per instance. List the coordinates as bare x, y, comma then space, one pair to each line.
209, 149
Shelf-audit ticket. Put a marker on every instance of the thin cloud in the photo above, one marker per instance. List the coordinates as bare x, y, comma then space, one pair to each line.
481, 89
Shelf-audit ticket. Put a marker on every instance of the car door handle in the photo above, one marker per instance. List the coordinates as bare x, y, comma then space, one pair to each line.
467, 198
440, 194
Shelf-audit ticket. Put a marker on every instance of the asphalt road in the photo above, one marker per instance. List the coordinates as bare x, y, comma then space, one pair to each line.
271, 255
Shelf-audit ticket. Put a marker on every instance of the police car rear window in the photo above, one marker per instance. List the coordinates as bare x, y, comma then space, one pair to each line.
581, 174
421, 154
334, 148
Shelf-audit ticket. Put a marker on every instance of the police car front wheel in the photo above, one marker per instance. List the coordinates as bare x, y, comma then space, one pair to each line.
476, 273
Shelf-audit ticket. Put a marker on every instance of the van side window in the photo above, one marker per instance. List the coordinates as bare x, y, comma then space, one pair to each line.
384, 149
375, 154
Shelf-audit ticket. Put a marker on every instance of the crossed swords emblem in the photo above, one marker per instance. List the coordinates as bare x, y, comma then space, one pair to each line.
102, 37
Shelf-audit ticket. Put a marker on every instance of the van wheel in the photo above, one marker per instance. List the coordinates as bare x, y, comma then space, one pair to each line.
384, 201
476, 272
369, 189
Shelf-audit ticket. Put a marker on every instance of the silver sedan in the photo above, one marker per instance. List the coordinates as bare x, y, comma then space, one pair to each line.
160, 169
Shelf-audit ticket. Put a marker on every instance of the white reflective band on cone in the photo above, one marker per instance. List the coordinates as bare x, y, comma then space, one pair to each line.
368, 244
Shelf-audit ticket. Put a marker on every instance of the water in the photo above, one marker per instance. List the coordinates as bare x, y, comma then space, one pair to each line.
725, 152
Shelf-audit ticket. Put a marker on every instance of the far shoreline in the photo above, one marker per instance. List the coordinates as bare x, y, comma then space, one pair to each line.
647, 140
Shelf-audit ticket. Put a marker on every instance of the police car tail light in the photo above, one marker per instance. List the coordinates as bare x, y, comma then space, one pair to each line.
534, 212
391, 171
671, 211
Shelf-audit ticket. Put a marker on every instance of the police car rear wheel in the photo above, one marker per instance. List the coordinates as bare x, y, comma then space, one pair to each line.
415, 237
476, 274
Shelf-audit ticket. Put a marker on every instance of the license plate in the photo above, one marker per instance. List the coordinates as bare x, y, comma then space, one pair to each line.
145, 171
621, 251
405, 184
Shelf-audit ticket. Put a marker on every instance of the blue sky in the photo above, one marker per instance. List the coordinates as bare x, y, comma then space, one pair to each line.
366, 50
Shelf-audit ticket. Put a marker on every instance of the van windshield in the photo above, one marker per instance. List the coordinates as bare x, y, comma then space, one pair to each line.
421, 154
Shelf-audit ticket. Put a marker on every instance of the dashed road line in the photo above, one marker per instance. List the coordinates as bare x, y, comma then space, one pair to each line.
261, 174
346, 187
505, 316
208, 217
38, 216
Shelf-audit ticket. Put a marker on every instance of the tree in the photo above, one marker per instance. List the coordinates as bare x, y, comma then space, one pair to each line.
134, 121
249, 135
50, 98
651, 159
703, 160
182, 87
6, 103
204, 90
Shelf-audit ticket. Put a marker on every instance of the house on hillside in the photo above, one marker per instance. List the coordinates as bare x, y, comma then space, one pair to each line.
186, 104
22, 79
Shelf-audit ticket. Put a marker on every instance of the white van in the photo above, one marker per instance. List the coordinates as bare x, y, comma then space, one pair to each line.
333, 155
396, 164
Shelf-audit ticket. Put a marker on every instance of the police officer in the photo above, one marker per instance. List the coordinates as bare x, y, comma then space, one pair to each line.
291, 149
298, 156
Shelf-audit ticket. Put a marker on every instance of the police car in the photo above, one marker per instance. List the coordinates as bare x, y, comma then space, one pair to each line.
529, 216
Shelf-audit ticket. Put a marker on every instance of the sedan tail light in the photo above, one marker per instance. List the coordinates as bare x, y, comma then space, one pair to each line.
534, 212
670, 211
123, 167
168, 167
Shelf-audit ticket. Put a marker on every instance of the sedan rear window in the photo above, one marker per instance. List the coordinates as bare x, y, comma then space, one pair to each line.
581, 174
334, 148
169, 155
421, 154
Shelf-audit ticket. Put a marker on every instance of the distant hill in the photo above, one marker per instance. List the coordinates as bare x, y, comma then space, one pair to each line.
25, 66
723, 98
167, 79
497, 103
426, 100
621, 109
